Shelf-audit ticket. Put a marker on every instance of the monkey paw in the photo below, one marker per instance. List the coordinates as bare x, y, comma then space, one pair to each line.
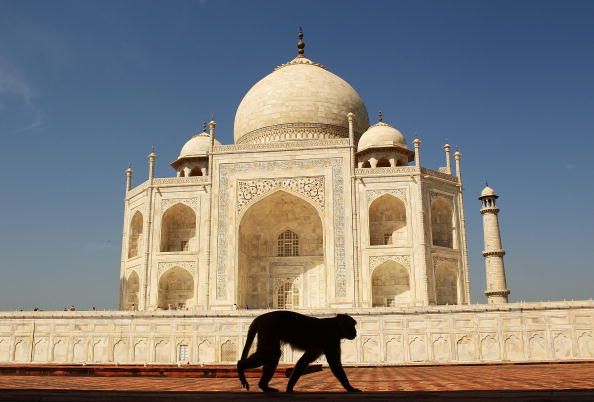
266, 388
354, 390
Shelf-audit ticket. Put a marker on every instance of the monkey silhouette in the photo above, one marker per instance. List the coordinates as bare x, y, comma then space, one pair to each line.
312, 335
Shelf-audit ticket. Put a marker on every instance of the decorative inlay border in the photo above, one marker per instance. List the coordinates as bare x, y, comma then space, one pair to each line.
294, 131
375, 261
396, 192
181, 180
223, 224
188, 265
298, 144
168, 202
386, 170
249, 191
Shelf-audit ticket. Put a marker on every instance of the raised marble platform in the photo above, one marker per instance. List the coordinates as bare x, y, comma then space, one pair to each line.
515, 332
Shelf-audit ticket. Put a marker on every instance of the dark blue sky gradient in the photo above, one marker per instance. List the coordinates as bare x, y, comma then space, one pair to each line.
88, 86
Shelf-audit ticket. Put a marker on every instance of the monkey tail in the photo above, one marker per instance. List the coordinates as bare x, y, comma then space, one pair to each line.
252, 331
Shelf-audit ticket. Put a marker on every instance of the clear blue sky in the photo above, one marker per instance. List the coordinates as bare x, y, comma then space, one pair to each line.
88, 86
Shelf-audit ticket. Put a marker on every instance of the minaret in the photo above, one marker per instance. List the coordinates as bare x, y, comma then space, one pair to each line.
497, 291
129, 173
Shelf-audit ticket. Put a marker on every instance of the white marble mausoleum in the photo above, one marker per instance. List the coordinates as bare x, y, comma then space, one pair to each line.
315, 209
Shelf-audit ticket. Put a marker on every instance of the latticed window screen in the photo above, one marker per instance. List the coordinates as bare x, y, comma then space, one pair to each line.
288, 244
184, 353
287, 296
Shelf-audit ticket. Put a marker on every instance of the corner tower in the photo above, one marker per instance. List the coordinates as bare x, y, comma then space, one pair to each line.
497, 291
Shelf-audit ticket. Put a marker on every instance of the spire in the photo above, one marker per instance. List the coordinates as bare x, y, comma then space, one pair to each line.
300, 44
380, 116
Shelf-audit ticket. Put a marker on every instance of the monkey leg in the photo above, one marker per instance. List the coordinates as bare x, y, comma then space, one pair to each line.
272, 357
308, 357
255, 360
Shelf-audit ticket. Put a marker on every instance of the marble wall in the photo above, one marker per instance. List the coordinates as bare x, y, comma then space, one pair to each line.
441, 334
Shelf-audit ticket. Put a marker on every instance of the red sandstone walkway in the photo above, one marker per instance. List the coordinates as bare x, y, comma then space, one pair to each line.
511, 382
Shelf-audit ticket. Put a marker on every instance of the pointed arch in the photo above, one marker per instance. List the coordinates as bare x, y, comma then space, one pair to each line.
442, 225
135, 234
387, 221
176, 289
286, 225
446, 284
390, 285
178, 229
131, 290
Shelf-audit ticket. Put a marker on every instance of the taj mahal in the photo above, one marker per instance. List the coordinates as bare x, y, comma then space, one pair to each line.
313, 208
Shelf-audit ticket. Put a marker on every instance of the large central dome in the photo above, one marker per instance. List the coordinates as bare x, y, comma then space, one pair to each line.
299, 100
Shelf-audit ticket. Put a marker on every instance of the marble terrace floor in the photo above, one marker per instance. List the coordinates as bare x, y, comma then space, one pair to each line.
498, 382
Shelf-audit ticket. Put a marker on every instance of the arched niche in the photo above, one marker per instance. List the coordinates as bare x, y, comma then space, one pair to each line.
178, 229
387, 221
280, 238
176, 289
390, 285
131, 290
135, 235
442, 226
446, 284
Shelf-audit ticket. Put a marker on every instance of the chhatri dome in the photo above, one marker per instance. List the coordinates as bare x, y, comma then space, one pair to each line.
381, 135
298, 100
198, 145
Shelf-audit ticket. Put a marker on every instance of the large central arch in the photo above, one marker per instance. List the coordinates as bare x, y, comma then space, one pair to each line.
281, 241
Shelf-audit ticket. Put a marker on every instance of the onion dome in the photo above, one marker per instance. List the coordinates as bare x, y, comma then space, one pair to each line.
299, 100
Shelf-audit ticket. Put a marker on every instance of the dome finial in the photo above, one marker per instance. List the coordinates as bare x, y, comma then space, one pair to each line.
380, 116
204, 126
300, 44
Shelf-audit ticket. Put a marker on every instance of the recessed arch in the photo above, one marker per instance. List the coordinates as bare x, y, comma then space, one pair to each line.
390, 285
387, 221
178, 229
135, 234
176, 289
442, 226
280, 236
131, 290
446, 284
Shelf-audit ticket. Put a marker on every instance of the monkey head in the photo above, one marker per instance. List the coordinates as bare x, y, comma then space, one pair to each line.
346, 324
